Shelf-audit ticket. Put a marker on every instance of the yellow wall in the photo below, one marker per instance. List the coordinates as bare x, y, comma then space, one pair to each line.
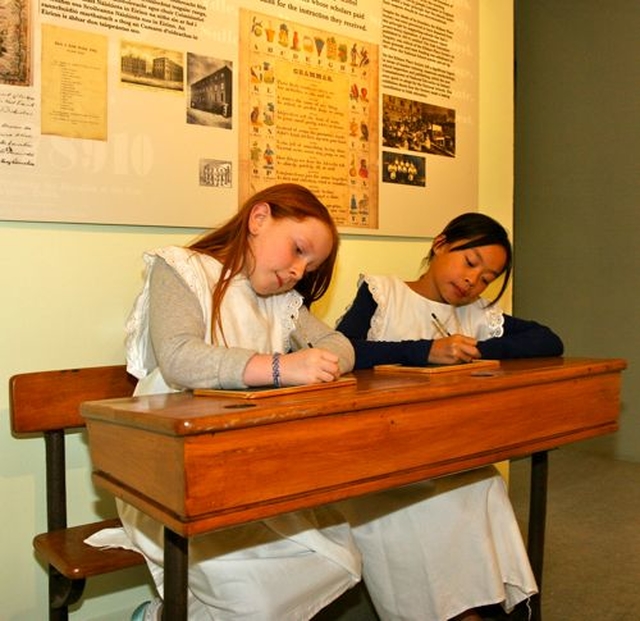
66, 290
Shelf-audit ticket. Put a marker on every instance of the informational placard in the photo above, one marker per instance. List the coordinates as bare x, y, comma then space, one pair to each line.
172, 112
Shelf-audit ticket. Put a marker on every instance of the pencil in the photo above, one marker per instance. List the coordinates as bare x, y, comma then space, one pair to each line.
440, 326
304, 341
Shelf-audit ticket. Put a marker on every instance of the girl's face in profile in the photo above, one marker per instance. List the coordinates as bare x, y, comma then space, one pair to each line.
282, 250
458, 277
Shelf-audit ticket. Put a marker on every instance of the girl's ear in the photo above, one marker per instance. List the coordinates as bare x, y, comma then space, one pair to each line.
439, 243
259, 214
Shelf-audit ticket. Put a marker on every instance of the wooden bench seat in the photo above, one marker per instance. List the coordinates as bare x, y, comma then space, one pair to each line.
48, 403
65, 549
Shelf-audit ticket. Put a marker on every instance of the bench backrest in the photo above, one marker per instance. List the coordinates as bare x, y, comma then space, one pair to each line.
50, 400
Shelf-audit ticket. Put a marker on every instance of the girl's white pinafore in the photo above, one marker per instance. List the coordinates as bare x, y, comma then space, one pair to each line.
435, 549
285, 568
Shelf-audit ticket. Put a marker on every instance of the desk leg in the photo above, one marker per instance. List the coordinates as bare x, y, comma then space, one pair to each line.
176, 565
537, 523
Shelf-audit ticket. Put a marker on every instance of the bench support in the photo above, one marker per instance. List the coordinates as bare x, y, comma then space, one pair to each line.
62, 591
62, 594
176, 576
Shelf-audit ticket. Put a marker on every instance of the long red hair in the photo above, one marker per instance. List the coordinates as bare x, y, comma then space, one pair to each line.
229, 243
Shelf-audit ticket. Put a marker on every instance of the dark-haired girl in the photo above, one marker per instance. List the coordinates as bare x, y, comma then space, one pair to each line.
443, 549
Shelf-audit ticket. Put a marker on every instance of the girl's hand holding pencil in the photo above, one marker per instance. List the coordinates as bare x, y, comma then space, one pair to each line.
452, 348
309, 366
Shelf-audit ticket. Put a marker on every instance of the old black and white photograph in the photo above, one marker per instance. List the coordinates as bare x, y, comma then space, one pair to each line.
403, 169
152, 67
210, 96
416, 126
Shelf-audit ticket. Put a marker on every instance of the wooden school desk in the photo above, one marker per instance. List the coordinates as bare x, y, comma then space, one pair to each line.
201, 463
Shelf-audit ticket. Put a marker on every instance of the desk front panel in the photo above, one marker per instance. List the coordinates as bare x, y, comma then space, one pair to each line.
201, 481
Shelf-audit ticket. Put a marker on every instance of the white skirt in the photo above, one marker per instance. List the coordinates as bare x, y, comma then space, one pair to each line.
435, 549
430, 551
282, 569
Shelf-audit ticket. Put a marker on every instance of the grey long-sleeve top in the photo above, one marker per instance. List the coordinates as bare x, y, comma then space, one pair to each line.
178, 332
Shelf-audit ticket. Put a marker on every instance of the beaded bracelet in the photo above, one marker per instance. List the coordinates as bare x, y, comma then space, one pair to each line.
275, 370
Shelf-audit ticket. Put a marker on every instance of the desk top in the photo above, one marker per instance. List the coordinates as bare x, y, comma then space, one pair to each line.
182, 414
199, 463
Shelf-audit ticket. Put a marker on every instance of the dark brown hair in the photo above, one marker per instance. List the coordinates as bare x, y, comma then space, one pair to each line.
477, 229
